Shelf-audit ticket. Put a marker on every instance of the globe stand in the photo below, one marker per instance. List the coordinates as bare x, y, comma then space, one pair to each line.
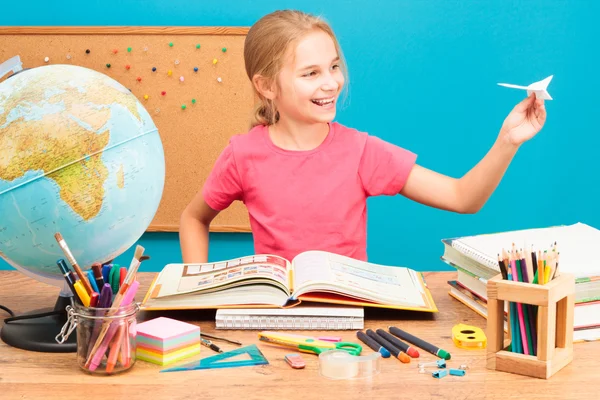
39, 333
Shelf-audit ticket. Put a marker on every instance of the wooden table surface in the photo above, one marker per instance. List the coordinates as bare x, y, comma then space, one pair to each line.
32, 375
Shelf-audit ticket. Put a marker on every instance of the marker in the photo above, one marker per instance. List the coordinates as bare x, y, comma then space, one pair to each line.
97, 269
400, 355
69, 277
92, 279
411, 351
373, 344
436, 351
85, 298
94, 299
106, 272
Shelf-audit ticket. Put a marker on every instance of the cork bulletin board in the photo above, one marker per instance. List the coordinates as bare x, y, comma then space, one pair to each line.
191, 80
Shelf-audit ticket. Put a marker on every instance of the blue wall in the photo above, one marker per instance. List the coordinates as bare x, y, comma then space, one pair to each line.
423, 75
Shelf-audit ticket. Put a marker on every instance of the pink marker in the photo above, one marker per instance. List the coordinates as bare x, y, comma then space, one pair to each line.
127, 299
330, 338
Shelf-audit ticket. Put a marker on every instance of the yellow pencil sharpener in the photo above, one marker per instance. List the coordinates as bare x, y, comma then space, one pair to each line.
468, 337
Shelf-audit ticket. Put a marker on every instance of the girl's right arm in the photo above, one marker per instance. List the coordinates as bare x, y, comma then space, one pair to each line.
193, 230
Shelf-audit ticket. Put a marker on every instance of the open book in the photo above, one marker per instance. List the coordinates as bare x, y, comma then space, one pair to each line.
272, 281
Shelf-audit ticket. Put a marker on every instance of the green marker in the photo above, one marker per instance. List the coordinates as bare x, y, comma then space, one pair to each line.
436, 351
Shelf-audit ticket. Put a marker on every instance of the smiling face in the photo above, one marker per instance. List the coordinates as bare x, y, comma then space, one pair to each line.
310, 80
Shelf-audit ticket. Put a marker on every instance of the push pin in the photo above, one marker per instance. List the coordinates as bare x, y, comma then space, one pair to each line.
146, 97
197, 46
176, 62
457, 372
170, 44
145, 48
68, 56
214, 61
440, 373
46, 59
129, 49
438, 363
153, 69
181, 79
169, 72
219, 80
163, 93
87, 51
463, 366
115, 51
128, 67
157, 110
224, 49
139, 79
195, 69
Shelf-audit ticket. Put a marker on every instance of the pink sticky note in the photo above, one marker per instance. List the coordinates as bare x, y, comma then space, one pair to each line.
164, 329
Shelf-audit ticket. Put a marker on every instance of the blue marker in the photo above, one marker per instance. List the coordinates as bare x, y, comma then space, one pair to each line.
92, 279
373, 344
106, 272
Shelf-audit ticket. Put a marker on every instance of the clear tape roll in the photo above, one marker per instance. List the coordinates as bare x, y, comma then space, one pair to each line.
339, 364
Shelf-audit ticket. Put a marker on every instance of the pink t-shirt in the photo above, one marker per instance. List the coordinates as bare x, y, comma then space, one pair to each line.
308, 200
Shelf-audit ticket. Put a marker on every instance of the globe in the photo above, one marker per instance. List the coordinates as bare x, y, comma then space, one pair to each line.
79, 155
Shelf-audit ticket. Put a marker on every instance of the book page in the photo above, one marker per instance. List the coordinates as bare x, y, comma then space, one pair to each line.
316, 271
177, 279
577, 244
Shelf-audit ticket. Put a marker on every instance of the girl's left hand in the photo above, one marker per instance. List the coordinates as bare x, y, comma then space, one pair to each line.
524, 121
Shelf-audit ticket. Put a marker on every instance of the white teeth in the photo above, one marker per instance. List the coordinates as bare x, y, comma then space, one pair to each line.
323, 102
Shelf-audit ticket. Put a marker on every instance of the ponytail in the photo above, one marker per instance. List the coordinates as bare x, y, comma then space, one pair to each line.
264, 114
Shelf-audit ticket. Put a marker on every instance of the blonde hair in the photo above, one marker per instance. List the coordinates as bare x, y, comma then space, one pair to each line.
265, 48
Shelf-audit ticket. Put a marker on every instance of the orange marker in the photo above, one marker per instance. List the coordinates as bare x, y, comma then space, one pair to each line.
400, 355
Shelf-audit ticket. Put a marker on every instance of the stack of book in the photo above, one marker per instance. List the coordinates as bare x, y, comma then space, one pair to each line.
476, 260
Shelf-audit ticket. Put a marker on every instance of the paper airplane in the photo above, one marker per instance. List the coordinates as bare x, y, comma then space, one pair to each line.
539, 88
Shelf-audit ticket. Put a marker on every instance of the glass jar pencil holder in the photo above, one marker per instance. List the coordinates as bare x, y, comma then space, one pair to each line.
106, 337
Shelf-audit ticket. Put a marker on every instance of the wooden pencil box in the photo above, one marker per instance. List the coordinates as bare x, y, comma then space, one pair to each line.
556, 303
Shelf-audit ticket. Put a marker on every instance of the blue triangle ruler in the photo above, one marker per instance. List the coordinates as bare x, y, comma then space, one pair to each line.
256, 358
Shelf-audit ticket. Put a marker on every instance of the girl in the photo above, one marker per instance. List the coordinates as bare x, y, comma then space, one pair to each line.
304, 179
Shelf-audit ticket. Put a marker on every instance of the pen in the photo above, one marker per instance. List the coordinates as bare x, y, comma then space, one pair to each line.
68, 274
221, 338
373, 344
211, 345
436, 351
67, 251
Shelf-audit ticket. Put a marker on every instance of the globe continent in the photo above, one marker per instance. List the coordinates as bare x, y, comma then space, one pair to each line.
79, 155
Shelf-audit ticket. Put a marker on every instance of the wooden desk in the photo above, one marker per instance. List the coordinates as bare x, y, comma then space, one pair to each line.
31, 375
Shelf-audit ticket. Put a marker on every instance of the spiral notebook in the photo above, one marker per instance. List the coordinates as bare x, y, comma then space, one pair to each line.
301, 318
578, 246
